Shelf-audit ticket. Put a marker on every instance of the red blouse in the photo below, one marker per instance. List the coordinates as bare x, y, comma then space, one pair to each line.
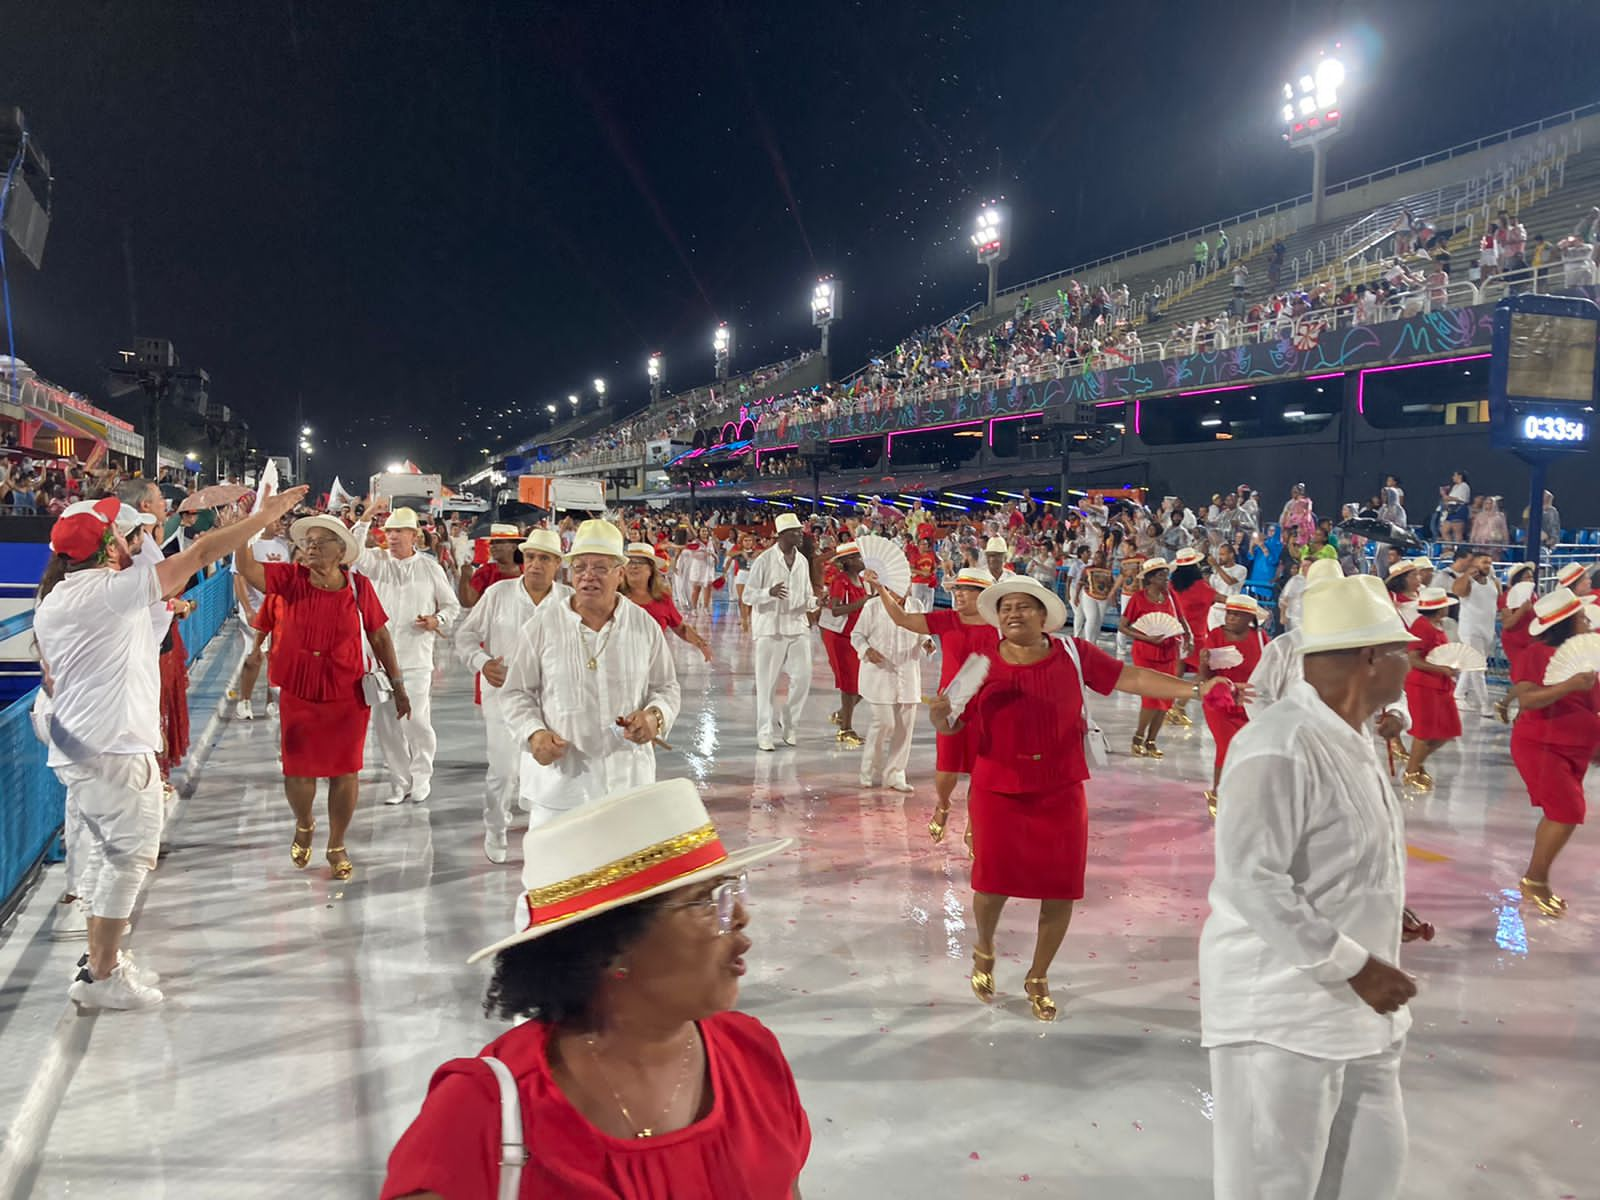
665, 612
1195, 602
842, 591
1515, 641
1029, 719
1431, 638
1249, 646
1570, 721
317, 647
1148, 654
752, 1144
958, 640
490, 574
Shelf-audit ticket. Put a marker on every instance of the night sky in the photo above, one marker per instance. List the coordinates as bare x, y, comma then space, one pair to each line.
429, 218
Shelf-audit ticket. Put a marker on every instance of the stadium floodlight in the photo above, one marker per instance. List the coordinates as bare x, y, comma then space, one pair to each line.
600, 388
991, 238
305, 431
825, 308
395, 468
652, 368
722, 349
1311, 117
551, 408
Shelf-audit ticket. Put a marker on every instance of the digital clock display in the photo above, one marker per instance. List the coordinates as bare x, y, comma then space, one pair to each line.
1554, 429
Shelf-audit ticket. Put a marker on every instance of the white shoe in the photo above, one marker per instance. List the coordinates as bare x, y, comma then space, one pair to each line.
789, 739
140, 975
866, 781
272, 709
765, 743
494, 846
244, 712
118, 990
71, 921
419, 795
897, 783
395, 797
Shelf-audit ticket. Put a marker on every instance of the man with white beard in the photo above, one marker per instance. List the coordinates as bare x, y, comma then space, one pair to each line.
484, 641
421, 605
778, 590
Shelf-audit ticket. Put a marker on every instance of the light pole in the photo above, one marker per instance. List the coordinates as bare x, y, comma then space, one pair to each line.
824, 310
1311, 119
652, 368
600, 392
302, 451
991, 238
722, 349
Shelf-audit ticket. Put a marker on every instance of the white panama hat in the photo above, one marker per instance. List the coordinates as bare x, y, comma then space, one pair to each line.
785, 521
402, 518
1430, 599
1187, 557
302, 527
1055, 610
598, 537
1549, 611
1571, 573
996, 545
972, 577
542, 541
1153, 564
1324, 570
1349, 613
617, 851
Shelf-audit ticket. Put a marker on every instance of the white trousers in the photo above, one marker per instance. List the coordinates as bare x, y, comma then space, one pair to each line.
500, 780
788, 654
1091, 614
887, 747
409, 745
1291, 1127
116, 804
923, 594
1472, 687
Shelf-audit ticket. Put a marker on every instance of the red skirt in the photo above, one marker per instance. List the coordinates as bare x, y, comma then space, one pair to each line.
321, 739
1224, 721
1034, 846
1553, 775
844, 660
954, 753
1156, 658
1434, 715
174, 704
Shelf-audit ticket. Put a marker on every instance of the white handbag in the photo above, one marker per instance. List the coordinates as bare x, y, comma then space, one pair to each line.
513, 1153
376, 687
1095, 748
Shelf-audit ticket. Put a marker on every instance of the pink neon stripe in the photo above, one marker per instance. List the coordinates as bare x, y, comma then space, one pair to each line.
773, 450
1329, 375
1243, 387
993, 421
1109, 403
1138, 416
1361, 377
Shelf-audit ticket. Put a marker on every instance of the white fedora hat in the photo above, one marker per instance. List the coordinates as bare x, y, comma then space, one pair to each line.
1243, 602
1055, 611
1571, 573
1431, 598
641, 550
302, 527
1324, 570
786, 521
845, 549
1349, 613
543, 541
402, 518
617, 851
1549, 611
499, 532
1400, 566
598, 537
972, 577
1153, 564
996, 545
1186, 557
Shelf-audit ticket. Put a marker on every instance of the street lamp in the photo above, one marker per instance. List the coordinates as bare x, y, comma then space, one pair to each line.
305, 431
551, 408
991, 238
722, 349
600, 390
824, 309
302, 451
652, 368
1311, 118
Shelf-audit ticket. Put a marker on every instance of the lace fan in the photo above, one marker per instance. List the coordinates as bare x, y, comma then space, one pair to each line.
1518, 594
1159, 625
1217, 615
1577, 655
1460, 656
966, 683
1221, 658
887, 561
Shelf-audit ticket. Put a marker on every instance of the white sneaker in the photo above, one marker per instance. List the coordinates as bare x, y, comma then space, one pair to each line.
866, 781
272, 709
419, 795
396, 797
118, 990
139, 974
765, 743
789, 739
244, 712
70, 922
494, 846
897, 783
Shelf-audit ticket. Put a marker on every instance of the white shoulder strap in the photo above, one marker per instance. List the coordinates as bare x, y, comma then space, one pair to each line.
513, 1154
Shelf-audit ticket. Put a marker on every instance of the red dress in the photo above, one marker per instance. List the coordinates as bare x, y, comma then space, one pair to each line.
954, 752
842, 656
1432, 698
174, 667
316, 664
1552, 746
1195, 602
1515, 638
1162, 657
751, 1145
1225, 716
1030, 822
665, 612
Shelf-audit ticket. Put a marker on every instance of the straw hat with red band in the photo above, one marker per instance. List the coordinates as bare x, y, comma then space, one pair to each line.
973, 577
845, 549
641, 550
81, 530
1571, 573
617, 851
1186, 558
1243, 603
1152, 564
504, 533
1549, 611
1432, 599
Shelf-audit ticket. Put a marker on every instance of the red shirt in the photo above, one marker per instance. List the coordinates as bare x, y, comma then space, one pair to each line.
665, 612
488, 575
1249, 646
1194, 604
1432, 637
923, 565
1147, 654
958, 640
317, 651
752, 1144
840, 590
1570, 721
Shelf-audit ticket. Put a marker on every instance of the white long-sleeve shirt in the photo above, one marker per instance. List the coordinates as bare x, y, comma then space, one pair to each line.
1281, 666
495, 622
899, 680
549, 686
1310, 881
409, 588
160, 615
770, 616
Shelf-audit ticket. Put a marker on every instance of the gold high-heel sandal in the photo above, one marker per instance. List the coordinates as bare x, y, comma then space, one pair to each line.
298, 854
1418, 780
1211, 803
941, 814
1139, 750
1549, 903
1044, 1008
1179, 718
1151, 750
833, 717
342, 871
968, 839
983, 981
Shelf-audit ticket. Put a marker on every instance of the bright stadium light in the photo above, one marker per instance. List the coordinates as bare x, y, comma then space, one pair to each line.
600, 388
395, 468
825, 308
1311, 117
722, 349
305, 431
551, 409
652, 368
991, 238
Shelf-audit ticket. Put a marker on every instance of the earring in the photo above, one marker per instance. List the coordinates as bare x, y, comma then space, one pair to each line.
620, 973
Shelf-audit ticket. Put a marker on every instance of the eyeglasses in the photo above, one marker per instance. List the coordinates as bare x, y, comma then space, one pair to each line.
319, 543
592, 568
722, 900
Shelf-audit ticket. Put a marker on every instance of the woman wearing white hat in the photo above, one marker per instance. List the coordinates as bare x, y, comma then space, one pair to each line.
1240, 632
484, 641
1153, 653
643, 584
1195, 596
1514, 620
629, 1075
1430, 689
1554, 739
1029, 723
502, 564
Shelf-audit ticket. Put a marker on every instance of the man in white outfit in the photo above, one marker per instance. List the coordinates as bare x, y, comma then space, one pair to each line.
778, 590
1478, 592
997, 554
1302, 1005
891, 682
421, 604
590, 685
484, 641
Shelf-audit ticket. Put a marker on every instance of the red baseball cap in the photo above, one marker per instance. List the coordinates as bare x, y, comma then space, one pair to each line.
80, 531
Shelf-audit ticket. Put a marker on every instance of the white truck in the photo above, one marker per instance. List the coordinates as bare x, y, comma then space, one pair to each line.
405, 489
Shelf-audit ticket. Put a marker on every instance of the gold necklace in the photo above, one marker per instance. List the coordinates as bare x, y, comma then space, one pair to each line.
666, 1110
602, 640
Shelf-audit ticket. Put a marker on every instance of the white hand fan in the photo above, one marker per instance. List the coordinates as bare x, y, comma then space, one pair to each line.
966, 683
1160, 625
1217, 615
1577, 655
1460, 656
1221, 658
1519, 594
887, 561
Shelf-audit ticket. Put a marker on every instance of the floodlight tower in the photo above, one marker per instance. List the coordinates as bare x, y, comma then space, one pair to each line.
652, 368
722, 349
991, 238
824, 309
600, 391
1311, 118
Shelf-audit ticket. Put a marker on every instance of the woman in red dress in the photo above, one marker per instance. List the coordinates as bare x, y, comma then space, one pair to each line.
1027, 805
1195, 596
843, 597
1554, 739
318, 660
1514, 638
962, 631
1430, 689
633, 1079
642, 583
1152, 653
1225, 716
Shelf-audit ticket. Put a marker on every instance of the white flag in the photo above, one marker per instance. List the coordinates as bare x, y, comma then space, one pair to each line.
267, 487
338, 497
